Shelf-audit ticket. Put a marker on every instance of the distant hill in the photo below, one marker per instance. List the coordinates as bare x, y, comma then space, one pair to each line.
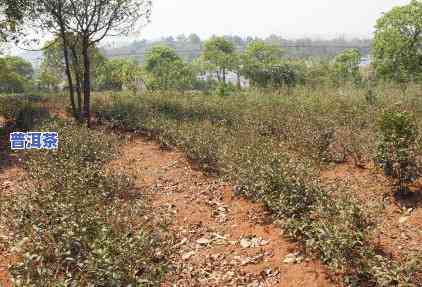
189, 47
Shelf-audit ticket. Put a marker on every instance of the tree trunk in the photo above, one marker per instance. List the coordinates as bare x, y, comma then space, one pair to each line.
78, 79
69, 76
87, 82
66, 58
239, 85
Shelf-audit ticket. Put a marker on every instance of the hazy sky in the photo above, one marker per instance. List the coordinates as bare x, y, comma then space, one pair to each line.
288, 18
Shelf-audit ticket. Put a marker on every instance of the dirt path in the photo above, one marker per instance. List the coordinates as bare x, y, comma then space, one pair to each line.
220, 240
10, 179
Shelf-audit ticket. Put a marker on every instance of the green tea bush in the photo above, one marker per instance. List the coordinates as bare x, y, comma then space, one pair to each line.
224, 89
275, 178
22, 112
270, 146
73, 226
397, 149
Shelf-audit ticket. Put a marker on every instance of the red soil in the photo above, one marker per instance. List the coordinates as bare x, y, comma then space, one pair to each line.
399, 220
209, 223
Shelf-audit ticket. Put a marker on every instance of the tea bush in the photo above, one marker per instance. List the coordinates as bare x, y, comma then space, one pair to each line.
397, 149
271, 147
22, 112
73, 226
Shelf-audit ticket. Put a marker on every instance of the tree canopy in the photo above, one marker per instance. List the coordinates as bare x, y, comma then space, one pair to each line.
220, 53
88, 22
397, 52
11, 19
117, 74
15, 74
258, 58
346, 66
168, 70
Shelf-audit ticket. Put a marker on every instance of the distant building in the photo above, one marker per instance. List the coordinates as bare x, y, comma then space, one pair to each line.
365, 61
231, 78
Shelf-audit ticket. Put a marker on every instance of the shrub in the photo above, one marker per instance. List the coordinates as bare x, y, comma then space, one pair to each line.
22, 112
268, 146
397, 147
224, 89
73, 226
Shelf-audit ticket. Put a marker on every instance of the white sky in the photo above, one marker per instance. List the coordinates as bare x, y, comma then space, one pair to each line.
287, 18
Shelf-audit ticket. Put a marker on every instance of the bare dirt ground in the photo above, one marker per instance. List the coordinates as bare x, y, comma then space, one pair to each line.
11, 177
398, 220
223, 240
220, 240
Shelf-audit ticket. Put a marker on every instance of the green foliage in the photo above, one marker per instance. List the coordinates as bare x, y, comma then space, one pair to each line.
52, 72
15, 75
259, 58
318, 72
220, 54
283, 75
396, 49
168, 70
22, 112
116, 74
49, 79
397, 147
189, 47
73, 226
12, 19
346, 66
264, 66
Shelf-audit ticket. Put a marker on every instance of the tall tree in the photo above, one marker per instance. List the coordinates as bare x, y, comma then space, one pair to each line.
54, 63
11, 19
346, 66
93, 20
397, 48
194, 39
221, 53
117, 74
15, 74
168, 70
89, 21
258, 58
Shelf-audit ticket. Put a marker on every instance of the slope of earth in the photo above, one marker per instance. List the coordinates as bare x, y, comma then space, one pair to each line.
398, 220
219, 240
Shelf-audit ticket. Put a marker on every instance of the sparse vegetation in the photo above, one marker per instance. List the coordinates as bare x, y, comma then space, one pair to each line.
274, 124
72, 224
272, 147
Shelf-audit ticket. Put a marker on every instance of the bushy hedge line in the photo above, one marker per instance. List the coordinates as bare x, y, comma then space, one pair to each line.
72, 226
269, 146
22, 111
